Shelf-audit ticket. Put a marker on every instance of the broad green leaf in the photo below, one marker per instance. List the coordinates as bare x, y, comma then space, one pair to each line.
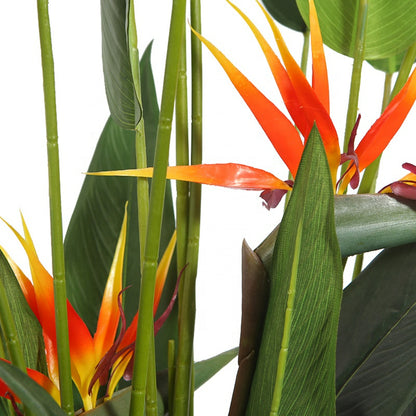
92, 234
122, 100
286, 12
363, 223
390, 25
298, 345
28, 328
33, 396
389, 65
376, 366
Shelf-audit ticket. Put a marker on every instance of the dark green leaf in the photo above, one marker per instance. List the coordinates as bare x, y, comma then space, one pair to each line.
376, 353
121, 97
306, 269
286, 12
95, 224
28, 328
29, 392
364, 223
390, 25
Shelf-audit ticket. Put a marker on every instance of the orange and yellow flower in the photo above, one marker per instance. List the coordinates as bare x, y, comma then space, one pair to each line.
86, 351
306, 103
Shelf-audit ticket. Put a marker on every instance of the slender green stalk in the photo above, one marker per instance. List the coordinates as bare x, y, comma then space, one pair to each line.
182, 158
58, 265
284, 348
405, 68
171, 374
151, 388
183, 397
141, 159
157, 195
305, 50
359, 49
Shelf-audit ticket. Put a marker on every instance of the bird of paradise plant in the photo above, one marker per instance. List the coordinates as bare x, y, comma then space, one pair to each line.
307, 104
88, 353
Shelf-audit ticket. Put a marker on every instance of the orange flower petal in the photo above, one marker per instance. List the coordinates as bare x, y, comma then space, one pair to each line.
229, 175
277, 127
383, 130
315, 111
319, 70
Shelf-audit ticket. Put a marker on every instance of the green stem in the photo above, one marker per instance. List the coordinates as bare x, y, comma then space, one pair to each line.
151, 388
157, 194
359, 49
58, 265
284, 348
405, 68
182, 158
141, 159
183, 396
305, 51
171, 374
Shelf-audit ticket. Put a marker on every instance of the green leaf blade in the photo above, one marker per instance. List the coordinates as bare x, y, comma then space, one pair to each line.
287, 13
309, 377
376, 366
119, 87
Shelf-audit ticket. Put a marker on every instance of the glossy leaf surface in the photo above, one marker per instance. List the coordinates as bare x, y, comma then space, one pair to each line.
376, 365
337, 20
286, 12
122, 100
299, 336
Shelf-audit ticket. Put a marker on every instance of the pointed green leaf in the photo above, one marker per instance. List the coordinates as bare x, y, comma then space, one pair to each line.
33, 396
390, 25
286, 12
92, 234
299, 336
28, 328
363, 223
376, 367
206, 369
122, 100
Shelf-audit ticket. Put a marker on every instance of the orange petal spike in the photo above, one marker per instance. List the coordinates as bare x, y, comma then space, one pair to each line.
277, 127
319, 70
109, 315
314, 109
162, 271
383, 130
229, 175
296, 110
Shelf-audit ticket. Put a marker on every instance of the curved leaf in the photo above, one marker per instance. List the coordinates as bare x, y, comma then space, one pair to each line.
376, 365
363, 223
121, 97
92, 233
337, 21
297, 350
286, 12
29, 392
388, 65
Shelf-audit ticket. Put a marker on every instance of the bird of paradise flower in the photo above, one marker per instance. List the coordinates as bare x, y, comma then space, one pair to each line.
307, 104
86, 351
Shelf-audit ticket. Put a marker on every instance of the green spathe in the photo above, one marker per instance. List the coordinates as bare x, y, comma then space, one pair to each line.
307, 263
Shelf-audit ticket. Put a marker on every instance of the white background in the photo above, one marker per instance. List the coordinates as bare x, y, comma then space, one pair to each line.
231, 134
